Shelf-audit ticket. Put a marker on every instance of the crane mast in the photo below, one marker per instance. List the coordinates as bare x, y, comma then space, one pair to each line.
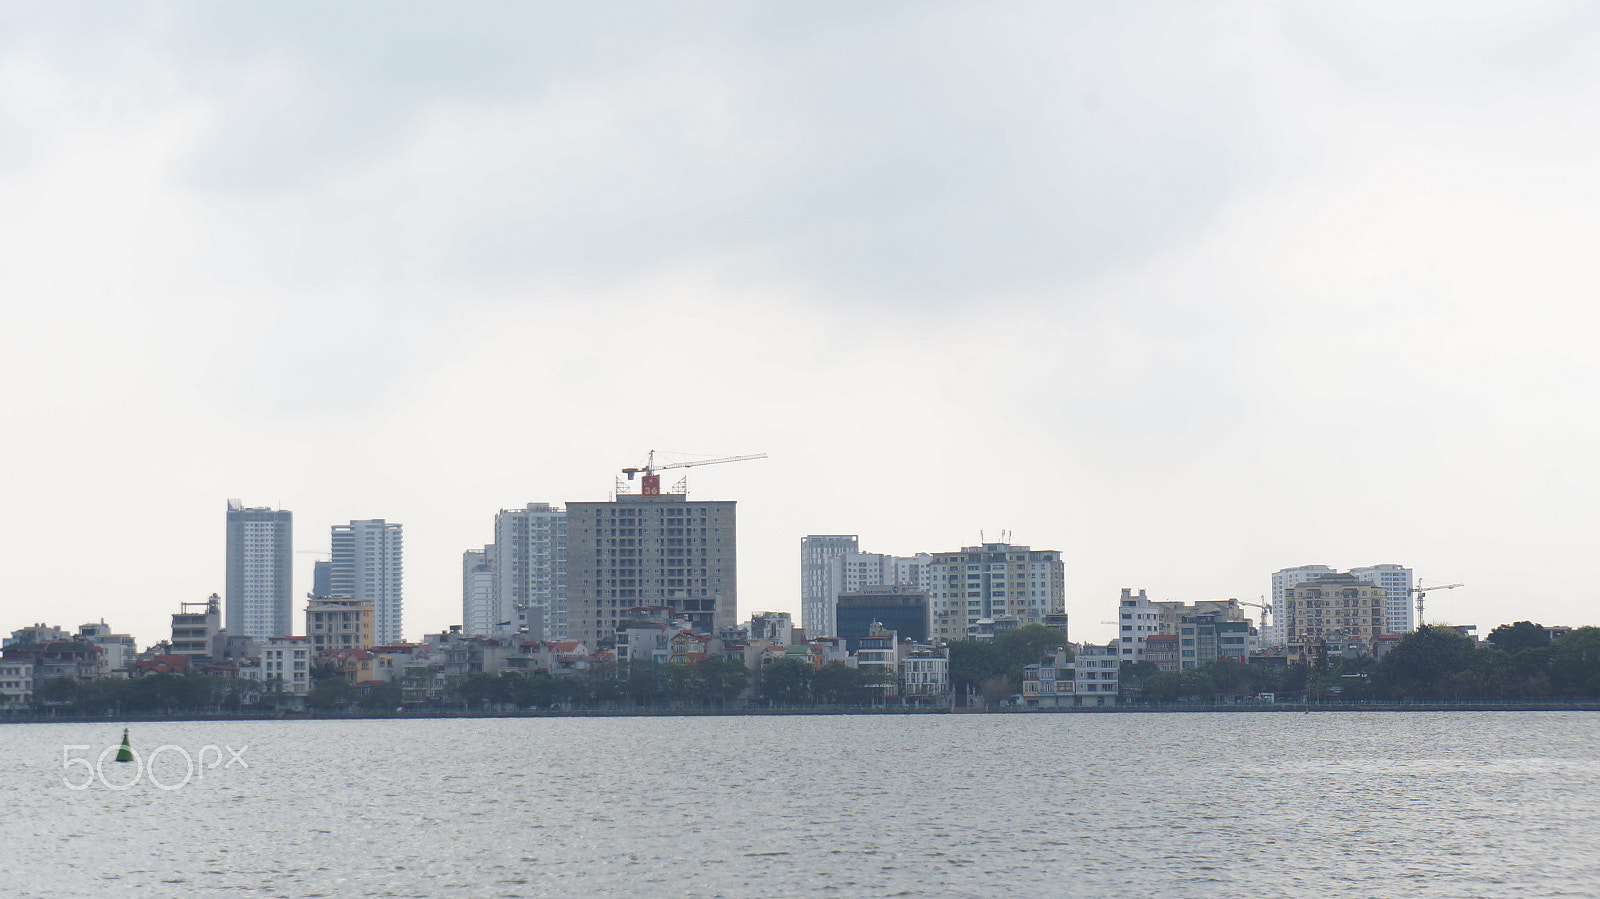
1422, 594
651, 482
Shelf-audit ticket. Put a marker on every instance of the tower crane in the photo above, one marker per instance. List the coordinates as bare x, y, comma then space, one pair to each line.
1265, 607
1422, 593
651, 485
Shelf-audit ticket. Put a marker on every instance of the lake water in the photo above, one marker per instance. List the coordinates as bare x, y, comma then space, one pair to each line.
1448, 804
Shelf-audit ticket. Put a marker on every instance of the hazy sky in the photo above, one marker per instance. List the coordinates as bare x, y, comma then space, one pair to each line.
1190, 292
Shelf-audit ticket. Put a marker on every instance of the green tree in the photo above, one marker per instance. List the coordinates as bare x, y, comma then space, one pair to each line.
645, 681
383, 697
839, 684
482, 690
786, 682
722, 678
1196, 686
540, 691
1514, 638
1024, 646
972, 663
602, 685
1575, 663
1417, 666
58, 693
1133, 680
1291, 679
331, 692
1163, 686
1230, 677
996, 689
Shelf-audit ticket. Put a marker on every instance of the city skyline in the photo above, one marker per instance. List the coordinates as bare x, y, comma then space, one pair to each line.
1191, 293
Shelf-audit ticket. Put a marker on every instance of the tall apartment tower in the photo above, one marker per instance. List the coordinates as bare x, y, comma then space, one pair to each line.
1277, 633
1345, 610
529, 570
1395, 580
477, 592
650, 550
1399, 615
993, 581
321, 578
816, 608
367, 564
258, 591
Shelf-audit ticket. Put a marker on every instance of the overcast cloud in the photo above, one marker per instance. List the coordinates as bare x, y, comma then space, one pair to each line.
1191, 292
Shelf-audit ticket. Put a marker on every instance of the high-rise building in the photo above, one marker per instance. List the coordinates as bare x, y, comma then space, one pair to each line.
529, 572
367, 564
1341, 610
258, 595
477, 592
994, 581
1395, 580
643, 550
816, 606
321, 578
1277, 634
1399, 615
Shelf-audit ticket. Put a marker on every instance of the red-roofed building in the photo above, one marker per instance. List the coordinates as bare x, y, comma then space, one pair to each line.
169, 664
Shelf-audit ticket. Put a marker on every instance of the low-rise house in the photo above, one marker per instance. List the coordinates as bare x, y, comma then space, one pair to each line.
71, 658
1051, 682
924, 675
687, 647
1162, 651
285, 663
879, 655
1096, 675
35, 634
559, 658
196, 628
117, 650
166, 664
16, 682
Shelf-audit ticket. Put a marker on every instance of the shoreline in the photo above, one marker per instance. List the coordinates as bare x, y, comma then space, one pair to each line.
1191, 708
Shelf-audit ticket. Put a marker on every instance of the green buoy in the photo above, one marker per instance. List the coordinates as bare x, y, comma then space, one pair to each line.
125, 752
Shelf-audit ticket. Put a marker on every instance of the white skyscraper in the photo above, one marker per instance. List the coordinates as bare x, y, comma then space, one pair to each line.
816, 607
529, 572
259, 594
367, 557
477, 592
1396, 582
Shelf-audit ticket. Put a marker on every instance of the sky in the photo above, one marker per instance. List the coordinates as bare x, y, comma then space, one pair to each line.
1190, 292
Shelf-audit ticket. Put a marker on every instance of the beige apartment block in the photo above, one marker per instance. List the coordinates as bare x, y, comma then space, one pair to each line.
339, 623
991, 582
1339, 609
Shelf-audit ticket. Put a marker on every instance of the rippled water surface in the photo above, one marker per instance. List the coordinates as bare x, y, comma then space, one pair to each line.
1068, 805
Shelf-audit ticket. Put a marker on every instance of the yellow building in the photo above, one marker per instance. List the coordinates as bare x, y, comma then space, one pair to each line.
339, 623
1338, 609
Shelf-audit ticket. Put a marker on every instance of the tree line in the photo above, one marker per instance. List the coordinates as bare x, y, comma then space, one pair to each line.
1516, 663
